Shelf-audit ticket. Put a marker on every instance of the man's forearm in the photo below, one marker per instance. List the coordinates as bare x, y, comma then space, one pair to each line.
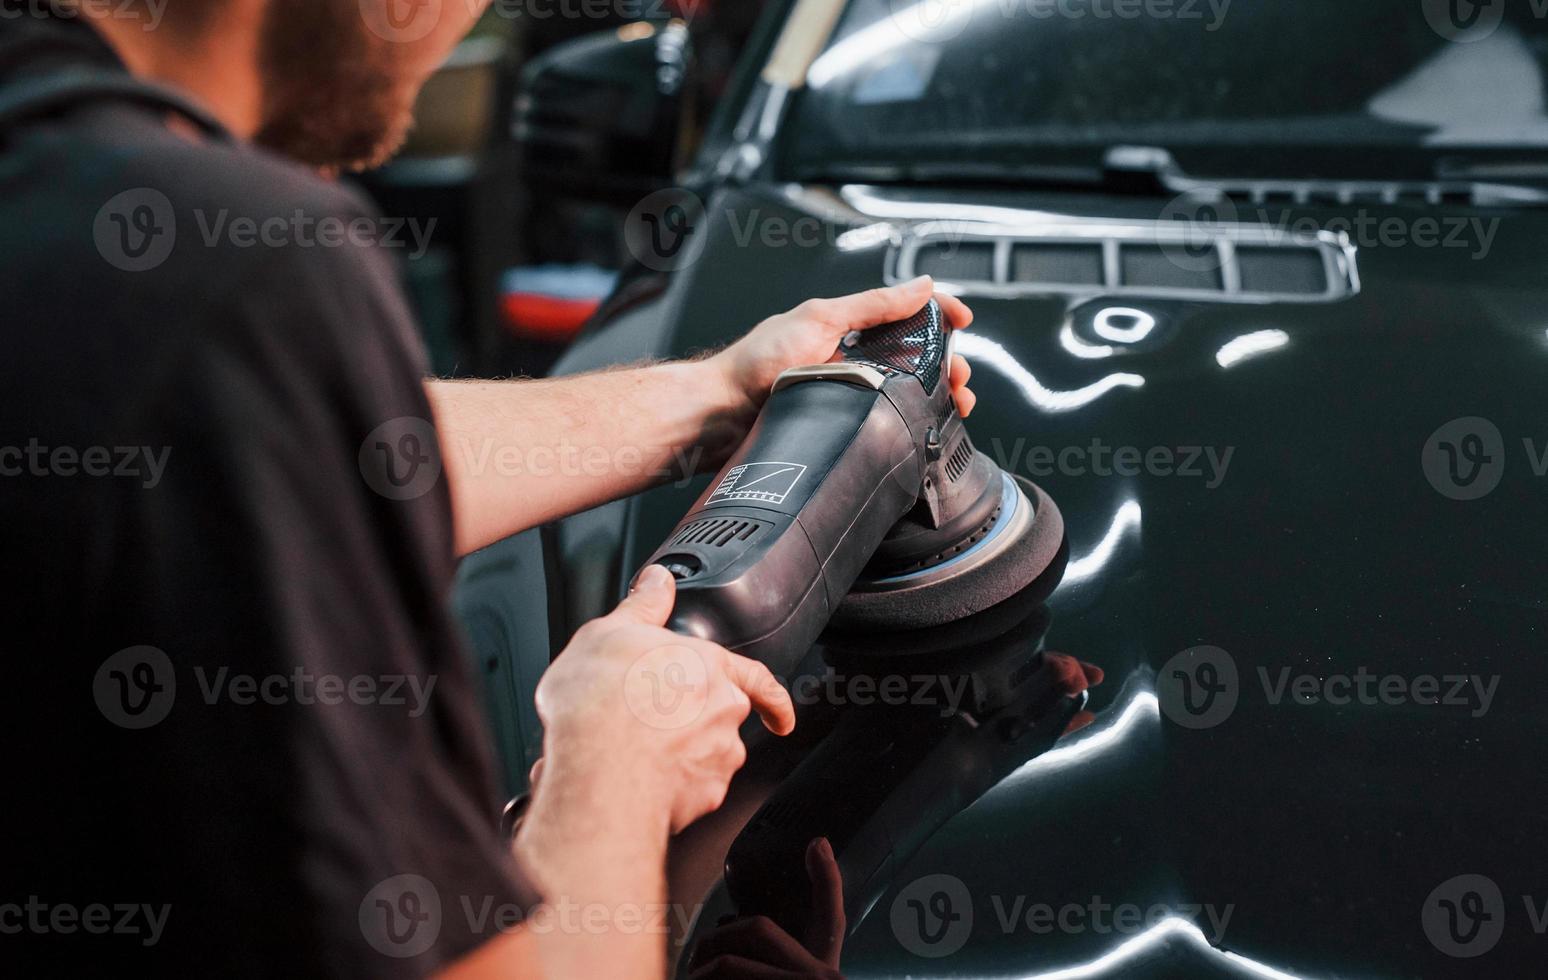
519, 453
597, 850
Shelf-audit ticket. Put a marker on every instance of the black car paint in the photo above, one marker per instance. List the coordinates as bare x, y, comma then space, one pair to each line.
1323, 550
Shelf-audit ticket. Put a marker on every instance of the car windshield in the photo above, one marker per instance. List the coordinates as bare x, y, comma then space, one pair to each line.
1388, 89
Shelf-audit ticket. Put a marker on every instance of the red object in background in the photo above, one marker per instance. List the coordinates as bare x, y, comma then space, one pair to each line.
551, 318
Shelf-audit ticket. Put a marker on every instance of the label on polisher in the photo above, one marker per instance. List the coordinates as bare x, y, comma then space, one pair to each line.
769, 483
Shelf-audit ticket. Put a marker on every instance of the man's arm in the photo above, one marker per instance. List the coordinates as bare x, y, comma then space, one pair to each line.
520, 453
621, 772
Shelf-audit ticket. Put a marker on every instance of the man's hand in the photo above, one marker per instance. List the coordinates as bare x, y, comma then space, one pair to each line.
520, 453
640, 739
810, 334
657, 710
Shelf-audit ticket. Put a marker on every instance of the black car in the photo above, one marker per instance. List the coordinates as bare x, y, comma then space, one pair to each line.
1262, 304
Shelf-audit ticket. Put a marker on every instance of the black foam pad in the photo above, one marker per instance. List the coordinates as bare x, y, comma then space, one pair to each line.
972, 590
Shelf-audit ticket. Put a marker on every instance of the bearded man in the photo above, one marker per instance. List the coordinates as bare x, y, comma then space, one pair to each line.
245, 739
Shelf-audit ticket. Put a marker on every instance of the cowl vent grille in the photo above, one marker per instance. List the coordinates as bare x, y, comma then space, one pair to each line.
1221, 263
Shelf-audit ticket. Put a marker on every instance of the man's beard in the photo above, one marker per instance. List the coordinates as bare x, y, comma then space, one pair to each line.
334, 96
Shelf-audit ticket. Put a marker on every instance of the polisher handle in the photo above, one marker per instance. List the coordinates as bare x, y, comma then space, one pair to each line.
837, 456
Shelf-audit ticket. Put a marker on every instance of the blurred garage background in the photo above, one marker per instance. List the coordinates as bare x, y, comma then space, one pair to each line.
526, 238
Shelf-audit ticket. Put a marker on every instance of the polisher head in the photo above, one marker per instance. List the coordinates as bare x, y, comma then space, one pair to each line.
1017, 539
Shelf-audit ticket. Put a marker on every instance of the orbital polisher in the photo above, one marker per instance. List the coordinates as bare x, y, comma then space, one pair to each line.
857, 499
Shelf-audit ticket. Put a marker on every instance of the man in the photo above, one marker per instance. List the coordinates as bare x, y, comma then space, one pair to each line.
244, 737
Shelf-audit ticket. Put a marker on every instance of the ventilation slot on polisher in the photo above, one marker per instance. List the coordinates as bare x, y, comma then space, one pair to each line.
958, 463
717, 532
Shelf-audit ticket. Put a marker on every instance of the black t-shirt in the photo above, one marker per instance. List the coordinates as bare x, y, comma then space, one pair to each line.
241, 737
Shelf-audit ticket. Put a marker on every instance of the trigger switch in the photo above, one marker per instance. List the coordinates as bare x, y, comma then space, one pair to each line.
681, 566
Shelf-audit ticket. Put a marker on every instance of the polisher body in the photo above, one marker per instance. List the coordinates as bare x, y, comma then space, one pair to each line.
855, 470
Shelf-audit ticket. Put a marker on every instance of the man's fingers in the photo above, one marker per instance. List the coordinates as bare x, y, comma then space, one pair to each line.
957, 312
650, 601
961, 371
965, 400
874, 306
827, 924
768, 696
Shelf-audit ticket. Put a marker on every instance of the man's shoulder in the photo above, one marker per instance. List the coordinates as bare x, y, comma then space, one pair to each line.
116, 184
129, 246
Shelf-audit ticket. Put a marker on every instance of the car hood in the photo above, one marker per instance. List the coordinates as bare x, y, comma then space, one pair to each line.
1315, 582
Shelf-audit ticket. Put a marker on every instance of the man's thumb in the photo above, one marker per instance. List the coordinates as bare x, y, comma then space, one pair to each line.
650, 601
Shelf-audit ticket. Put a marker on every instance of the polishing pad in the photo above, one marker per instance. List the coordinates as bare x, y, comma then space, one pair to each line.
1025, 539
